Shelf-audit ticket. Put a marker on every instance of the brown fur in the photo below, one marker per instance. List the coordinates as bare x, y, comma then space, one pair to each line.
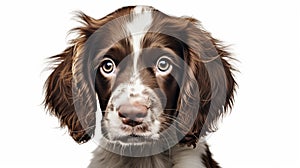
207, 159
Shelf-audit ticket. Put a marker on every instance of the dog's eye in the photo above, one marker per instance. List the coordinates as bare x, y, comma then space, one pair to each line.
163, 65
107, 66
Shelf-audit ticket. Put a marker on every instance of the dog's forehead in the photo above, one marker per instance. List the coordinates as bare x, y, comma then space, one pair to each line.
140, 28
137, 28
135, 41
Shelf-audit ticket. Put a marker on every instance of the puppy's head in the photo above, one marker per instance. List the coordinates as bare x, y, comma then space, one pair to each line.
157, 78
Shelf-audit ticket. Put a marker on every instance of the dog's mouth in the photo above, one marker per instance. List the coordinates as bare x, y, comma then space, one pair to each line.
136, 139
140, 143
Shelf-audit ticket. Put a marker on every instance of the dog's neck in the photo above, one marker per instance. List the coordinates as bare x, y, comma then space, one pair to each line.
176, 157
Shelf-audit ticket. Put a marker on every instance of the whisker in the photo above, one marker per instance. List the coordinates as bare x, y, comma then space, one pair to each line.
181, 113
178, 122
181, 131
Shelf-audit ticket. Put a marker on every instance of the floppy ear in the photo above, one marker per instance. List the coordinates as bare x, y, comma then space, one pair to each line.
212, 73
68, 94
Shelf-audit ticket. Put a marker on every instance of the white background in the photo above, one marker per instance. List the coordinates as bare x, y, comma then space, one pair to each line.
263, 129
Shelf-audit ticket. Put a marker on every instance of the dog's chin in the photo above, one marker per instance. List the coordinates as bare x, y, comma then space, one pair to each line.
136, 145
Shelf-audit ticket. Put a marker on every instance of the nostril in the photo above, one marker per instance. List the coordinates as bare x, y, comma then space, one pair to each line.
130, 122
122, 115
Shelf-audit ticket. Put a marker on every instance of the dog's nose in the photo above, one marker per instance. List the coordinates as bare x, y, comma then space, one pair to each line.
132, 114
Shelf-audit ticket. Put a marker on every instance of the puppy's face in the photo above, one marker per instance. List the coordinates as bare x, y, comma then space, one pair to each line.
157, 78
141, 86
139, 78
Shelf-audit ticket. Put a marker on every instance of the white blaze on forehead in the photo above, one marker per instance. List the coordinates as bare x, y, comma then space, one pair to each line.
137, 28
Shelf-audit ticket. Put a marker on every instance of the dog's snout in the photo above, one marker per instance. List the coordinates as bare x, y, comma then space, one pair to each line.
132, 114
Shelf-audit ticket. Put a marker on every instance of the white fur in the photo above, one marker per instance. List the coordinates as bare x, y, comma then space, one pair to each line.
188, 157
98, 133
137, 28
135, 86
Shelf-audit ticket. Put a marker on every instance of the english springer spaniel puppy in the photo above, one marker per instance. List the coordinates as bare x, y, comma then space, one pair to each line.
146, 86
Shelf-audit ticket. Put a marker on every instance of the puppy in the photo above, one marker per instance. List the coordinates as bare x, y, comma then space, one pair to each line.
161, 82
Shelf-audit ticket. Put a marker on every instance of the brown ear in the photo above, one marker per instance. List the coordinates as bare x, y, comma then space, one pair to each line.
210, 71
68, 94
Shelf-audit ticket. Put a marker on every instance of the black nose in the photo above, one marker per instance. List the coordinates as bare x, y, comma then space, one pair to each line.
132, 114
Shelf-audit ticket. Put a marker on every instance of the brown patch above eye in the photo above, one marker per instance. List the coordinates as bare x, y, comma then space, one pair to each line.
119, 50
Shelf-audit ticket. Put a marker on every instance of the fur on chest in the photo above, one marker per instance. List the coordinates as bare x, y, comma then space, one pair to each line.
177, 157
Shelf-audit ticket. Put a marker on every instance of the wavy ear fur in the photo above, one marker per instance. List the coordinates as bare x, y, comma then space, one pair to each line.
61, 85
209, 66
69, 90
